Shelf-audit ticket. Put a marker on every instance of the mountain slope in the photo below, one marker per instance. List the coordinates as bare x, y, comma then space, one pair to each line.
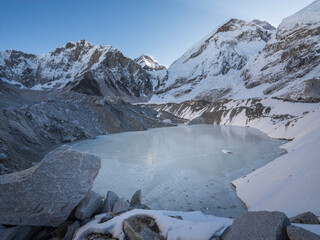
242, 60
208, 69
289, 65
78, 66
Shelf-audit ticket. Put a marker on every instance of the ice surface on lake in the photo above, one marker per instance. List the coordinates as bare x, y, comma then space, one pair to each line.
181, 168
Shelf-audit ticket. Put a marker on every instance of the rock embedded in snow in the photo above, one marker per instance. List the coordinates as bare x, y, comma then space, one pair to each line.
297, 233
50, 190
136, 198
109, 202
88, 206
120, 206
305, 218
141, 227
258, 225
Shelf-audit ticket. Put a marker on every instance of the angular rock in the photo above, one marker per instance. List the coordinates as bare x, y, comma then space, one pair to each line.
71, 230
297, 233
50, 190
88, 206
306, 218
120, 206
136, 198
109, 202
258, 225
61, 231
16, 233
140, 227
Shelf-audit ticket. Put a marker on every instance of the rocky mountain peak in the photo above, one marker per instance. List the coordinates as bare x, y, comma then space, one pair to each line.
264, 24
78, 66
149, 63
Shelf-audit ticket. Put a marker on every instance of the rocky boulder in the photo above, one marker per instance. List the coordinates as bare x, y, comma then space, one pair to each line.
88, 206
258, 225
305, 218
141, 227
46, 194
297, 233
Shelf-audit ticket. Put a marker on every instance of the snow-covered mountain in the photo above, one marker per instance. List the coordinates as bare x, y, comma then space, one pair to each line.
289, 65
149, 63
241, 60
210, 67
78, 66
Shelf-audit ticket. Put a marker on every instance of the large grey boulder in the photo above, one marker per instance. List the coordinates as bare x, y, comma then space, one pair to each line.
140, 227
306, 218
89, 205
46, 194
258, 225
109, 202
16, 233
297, 233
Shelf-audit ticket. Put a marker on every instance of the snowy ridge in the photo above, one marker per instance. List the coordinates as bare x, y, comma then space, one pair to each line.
308, 16
149, 63
79, 66
241, 60
210, 67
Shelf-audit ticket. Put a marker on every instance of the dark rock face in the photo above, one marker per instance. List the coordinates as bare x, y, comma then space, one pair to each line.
305, 218
94, 70
50, 190
296, 233
141, 227
71, 230
16, 233
258, 225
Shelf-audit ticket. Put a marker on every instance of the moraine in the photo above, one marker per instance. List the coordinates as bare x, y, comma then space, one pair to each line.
182, 168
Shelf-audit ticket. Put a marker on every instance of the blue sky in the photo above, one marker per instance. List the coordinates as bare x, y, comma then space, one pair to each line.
164, 29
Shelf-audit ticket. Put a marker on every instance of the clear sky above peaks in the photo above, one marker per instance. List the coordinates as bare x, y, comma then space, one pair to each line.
164, 29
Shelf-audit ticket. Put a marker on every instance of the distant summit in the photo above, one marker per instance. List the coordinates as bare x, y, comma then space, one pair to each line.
264, 24
148, 63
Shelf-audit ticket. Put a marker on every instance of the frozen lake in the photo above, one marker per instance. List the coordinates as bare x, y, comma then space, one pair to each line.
181, 168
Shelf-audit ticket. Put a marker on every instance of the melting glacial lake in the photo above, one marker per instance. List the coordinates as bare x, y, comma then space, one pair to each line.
182, 168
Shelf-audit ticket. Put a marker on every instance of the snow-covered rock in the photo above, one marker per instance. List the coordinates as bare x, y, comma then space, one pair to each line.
79, 66
149, 63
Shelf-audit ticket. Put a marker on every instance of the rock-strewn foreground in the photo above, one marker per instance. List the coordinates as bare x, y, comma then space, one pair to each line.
45, 194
